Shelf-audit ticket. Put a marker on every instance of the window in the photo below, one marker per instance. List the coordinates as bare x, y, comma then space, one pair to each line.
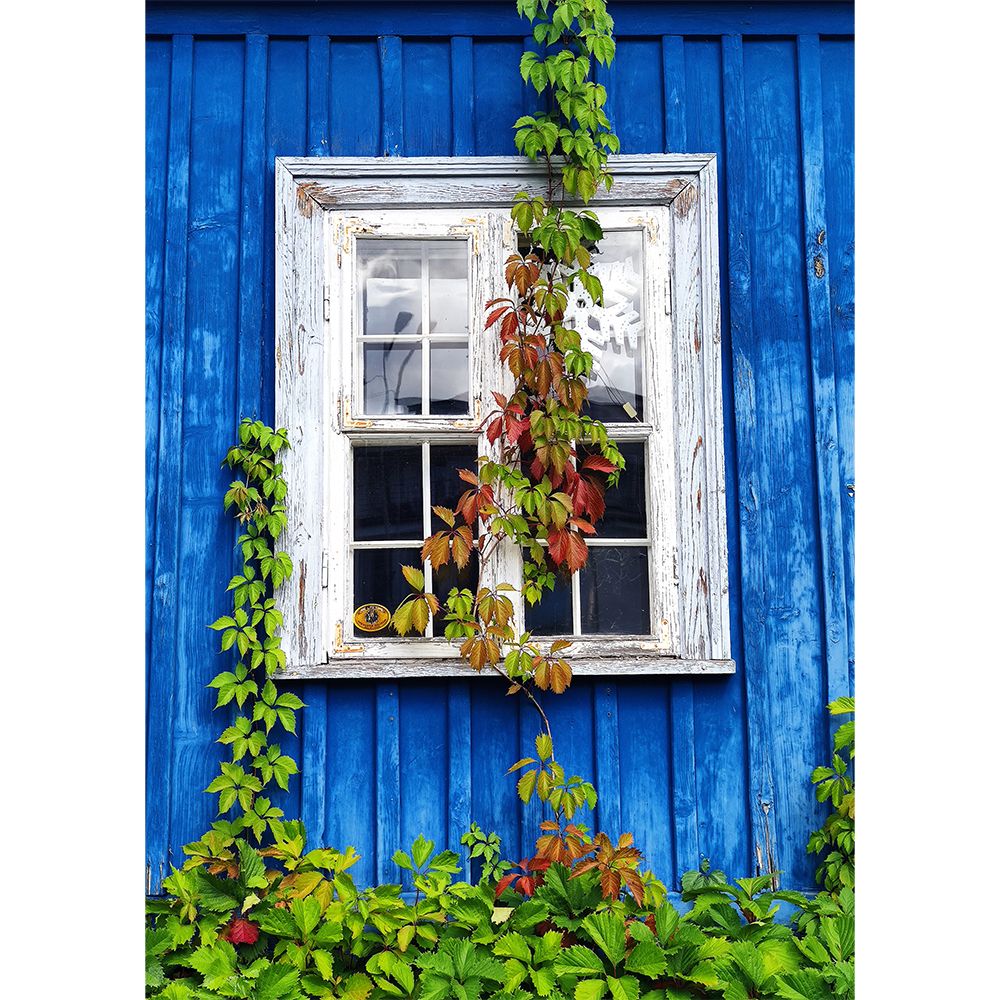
384, 378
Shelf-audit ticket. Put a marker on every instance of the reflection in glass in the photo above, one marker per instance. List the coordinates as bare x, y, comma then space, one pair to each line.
446, 460
388, 496
413, 299
625, 504
392, 377
553, 614
614, 591
449, 378
378, 579
615, 332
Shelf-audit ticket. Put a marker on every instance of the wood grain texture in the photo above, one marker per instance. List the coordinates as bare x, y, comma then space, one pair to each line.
496, 18
824, 376
837, 68
427, 112
462, 98
166, 544
390, 55
732, 741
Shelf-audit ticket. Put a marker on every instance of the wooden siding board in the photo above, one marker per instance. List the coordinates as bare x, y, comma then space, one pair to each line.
793, 624
390, 52
285, 128
646, 790
158, 55
388, 831
318, 91
424, 748
498, 18
637, 112
496, 736
427, 115
498, 97
253, 365
166, 593
462, 98
824, 382
719, 706
837, 67
459, 804
607, 756
212, 301
354, 98
746, 365
350, 815
674, 102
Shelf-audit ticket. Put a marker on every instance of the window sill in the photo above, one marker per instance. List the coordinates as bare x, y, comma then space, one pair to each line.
594, 664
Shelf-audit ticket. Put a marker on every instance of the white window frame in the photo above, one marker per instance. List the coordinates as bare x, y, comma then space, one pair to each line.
322, 204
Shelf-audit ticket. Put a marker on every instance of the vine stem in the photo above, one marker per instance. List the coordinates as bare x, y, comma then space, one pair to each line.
534, 701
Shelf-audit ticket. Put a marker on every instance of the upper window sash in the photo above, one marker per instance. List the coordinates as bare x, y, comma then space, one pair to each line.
324, 207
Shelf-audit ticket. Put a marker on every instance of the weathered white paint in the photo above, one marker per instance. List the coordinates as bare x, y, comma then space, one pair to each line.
322, 204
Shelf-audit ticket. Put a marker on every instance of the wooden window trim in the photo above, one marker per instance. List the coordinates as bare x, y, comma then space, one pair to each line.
313, 197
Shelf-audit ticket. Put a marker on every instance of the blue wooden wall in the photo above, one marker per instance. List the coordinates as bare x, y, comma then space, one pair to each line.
712, 766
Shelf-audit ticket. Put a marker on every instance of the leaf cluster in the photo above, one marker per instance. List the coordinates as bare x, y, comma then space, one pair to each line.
252, 632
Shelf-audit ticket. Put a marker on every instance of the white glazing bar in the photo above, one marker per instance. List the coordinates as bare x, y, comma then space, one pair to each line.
425, 478
425, 329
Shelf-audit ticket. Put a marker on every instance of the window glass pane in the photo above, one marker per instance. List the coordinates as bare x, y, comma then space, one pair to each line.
614, 591
378, 579
446, 486
614, 334
412, 293
392, 377
388, 493
448, 576
625, 504
449, 378
553, 615
449, 305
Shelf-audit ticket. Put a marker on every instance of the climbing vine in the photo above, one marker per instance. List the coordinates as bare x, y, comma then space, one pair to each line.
542, 487
252, 629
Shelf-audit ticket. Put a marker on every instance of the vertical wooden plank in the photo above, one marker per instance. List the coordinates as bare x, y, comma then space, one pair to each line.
387, 786
463, 131
496, 736
427, 112
285, 134
158, 55
207, 532
636, 82
390, 49
745, 364
719, 703
837, 62
824, 380
460, 766
793, 626
253, 366
607, 759
647, 793
354, 98
499, 97
351, 753
315, 693
674, 131
423, 753
318, 88
160, 694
